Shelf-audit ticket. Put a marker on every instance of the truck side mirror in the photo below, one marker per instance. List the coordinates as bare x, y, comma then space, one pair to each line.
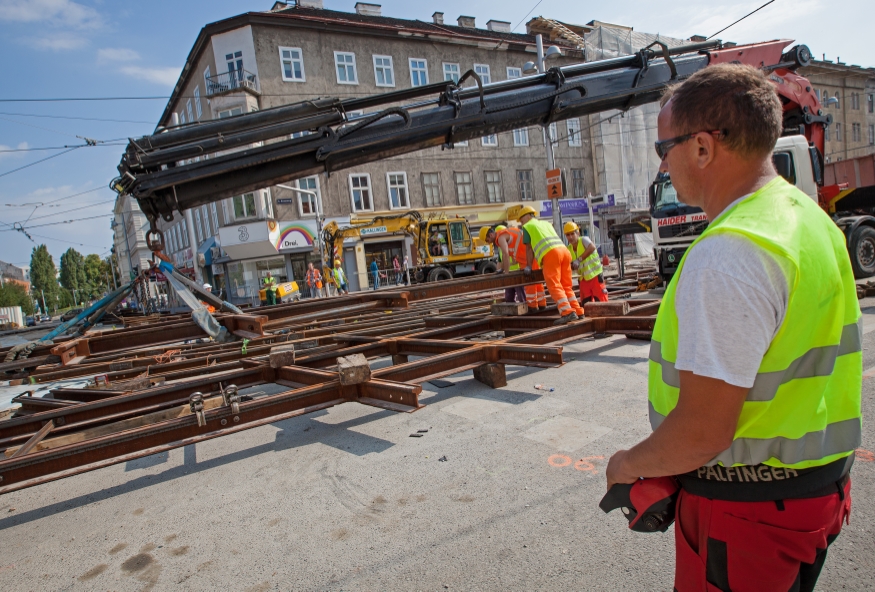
784, 165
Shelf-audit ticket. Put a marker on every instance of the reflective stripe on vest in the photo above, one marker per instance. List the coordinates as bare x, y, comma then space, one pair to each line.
543, 238
591, 266
804, 407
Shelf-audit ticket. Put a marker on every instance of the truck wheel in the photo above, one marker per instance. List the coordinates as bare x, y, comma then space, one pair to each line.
440, 274
862, 252
419, 276
486, 267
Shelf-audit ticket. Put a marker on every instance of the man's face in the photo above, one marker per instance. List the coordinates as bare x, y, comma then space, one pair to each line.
680, 162
525, 218
572, 237
490, 238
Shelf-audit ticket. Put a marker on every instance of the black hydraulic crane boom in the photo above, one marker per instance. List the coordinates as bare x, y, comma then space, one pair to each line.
196, 164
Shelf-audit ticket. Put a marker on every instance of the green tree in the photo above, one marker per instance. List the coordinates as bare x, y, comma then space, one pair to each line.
43, 275
96, 274
73, 276
13, 294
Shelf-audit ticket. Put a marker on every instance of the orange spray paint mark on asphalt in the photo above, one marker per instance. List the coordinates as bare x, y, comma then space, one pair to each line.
559, 460
585, 464
865, 455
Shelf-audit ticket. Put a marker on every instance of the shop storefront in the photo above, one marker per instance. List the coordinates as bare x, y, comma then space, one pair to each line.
298, 242
253, 252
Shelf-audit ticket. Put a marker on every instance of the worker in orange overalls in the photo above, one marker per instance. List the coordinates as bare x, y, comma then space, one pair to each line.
314, 281
544, 245
512, 252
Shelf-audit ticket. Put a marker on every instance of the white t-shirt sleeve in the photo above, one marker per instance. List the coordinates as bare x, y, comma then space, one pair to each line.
731, 300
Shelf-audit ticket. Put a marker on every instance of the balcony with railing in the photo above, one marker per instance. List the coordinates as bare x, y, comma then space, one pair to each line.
231, 81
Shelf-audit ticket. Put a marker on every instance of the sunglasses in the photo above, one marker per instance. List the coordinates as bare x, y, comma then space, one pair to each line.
663, 146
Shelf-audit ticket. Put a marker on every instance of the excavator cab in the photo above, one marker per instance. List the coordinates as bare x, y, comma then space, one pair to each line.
460, 238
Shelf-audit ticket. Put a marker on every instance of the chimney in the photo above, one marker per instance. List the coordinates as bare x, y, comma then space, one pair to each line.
437, 18
366, 9
466, 21
499, 26
697, 38
310, 4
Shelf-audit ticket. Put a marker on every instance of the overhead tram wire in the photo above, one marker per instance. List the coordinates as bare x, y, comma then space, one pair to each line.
67, 117
101, 144
55, 223
527, 15
741, 19
41, 160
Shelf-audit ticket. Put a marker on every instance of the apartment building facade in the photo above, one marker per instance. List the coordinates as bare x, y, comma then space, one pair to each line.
129, 226
301, 51
848, 93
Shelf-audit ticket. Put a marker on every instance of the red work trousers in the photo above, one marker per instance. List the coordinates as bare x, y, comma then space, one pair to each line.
556, 264
592, 290
742, 546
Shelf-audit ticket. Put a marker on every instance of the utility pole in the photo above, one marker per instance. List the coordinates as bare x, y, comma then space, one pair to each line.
540, 66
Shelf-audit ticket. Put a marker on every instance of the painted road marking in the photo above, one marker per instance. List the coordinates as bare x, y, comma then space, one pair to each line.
565, 433
584, 464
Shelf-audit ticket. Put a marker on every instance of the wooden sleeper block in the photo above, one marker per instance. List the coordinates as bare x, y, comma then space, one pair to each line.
510, 309
492, 375
616, 308
353, 369
282, 355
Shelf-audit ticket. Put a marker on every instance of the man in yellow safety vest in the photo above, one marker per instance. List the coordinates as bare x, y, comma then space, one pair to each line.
755, 371
585, 260
544, 245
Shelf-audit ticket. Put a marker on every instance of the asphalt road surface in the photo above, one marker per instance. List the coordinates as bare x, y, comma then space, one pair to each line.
500, 493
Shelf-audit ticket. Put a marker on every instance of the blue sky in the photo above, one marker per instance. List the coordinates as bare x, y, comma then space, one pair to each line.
93, 48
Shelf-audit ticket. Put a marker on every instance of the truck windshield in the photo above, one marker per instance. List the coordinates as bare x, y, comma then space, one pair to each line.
665, 196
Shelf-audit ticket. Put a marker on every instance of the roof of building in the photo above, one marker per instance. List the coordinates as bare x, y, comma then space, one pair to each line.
837, 68
299, 15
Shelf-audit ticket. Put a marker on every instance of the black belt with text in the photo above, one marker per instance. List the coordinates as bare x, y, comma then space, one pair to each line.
763, 483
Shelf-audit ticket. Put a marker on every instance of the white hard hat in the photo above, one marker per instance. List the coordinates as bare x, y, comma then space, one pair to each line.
207, 286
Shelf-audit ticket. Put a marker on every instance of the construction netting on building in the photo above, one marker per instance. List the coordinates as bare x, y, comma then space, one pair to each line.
622, 142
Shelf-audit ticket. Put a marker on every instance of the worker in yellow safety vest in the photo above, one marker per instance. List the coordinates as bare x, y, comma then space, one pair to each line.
756, 361
270, 288
544, 246
585, 260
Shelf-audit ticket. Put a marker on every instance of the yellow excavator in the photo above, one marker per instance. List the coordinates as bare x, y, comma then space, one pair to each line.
445, 247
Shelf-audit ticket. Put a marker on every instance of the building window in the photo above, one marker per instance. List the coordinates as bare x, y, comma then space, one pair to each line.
168, 240
872, 135
431, 188
307, 203
817, 92
384, 73
189, 110
493, 186
554, 133
524, 181
490, 140
230, 112
292, 61
462, 143
418, 72
514, 73
266, 203
855, 101
839, 99
398, 195
483, 71
871, 102
826, 133
360, 189
838, 132
451, 72
197, 102
207, 79
205, 215
857, 132
574, 138
234, 61
198, 226
244, 206
521, 137
345, 66
464, 188
578, 186
182, 118
183, 230
215, 212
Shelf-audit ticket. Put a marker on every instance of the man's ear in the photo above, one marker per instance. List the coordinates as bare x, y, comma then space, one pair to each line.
705, 146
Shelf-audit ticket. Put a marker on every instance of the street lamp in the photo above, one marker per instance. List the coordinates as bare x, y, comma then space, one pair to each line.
318, 199
541, 67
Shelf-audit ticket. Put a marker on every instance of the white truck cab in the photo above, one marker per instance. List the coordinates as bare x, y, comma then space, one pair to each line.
676, 225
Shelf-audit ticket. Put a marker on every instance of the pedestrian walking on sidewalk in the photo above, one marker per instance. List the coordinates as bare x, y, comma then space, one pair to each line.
585, 260
396, 266
756, 361
375, 273
405, 270
339, 278
544, 245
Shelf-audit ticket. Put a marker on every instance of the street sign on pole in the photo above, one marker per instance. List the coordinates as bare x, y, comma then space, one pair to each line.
555, 184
